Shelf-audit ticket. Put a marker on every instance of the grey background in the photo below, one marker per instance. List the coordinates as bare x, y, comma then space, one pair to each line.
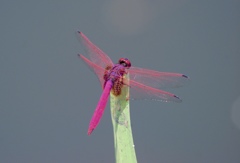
48, 95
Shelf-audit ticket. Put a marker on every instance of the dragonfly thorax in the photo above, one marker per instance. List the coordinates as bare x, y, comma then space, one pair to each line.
116, 72
115, 75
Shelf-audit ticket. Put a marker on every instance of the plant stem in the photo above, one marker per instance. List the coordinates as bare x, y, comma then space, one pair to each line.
123, 140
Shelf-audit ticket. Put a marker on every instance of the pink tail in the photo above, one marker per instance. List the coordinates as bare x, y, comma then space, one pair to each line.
100, 107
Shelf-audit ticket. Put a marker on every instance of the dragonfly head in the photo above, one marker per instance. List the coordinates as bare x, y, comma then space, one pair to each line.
125, 62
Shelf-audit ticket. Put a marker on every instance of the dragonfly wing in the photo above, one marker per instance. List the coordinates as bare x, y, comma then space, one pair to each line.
100, 107
144, 92
99, 71
95, 54
157, 79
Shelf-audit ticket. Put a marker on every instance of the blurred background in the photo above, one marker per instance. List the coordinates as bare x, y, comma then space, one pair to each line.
48, 95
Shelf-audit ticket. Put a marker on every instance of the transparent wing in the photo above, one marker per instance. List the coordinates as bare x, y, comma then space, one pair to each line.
99, 71
95, 54
157, 79
144, 92
143, 82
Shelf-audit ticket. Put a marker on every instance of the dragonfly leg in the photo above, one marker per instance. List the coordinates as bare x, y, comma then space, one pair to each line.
125, 81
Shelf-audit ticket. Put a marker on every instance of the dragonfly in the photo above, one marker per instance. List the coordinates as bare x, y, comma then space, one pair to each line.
143, 83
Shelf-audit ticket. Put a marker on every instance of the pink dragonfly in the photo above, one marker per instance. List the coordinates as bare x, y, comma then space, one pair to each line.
143, 83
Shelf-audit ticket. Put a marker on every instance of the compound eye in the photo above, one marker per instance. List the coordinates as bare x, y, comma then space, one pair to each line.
125, 62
